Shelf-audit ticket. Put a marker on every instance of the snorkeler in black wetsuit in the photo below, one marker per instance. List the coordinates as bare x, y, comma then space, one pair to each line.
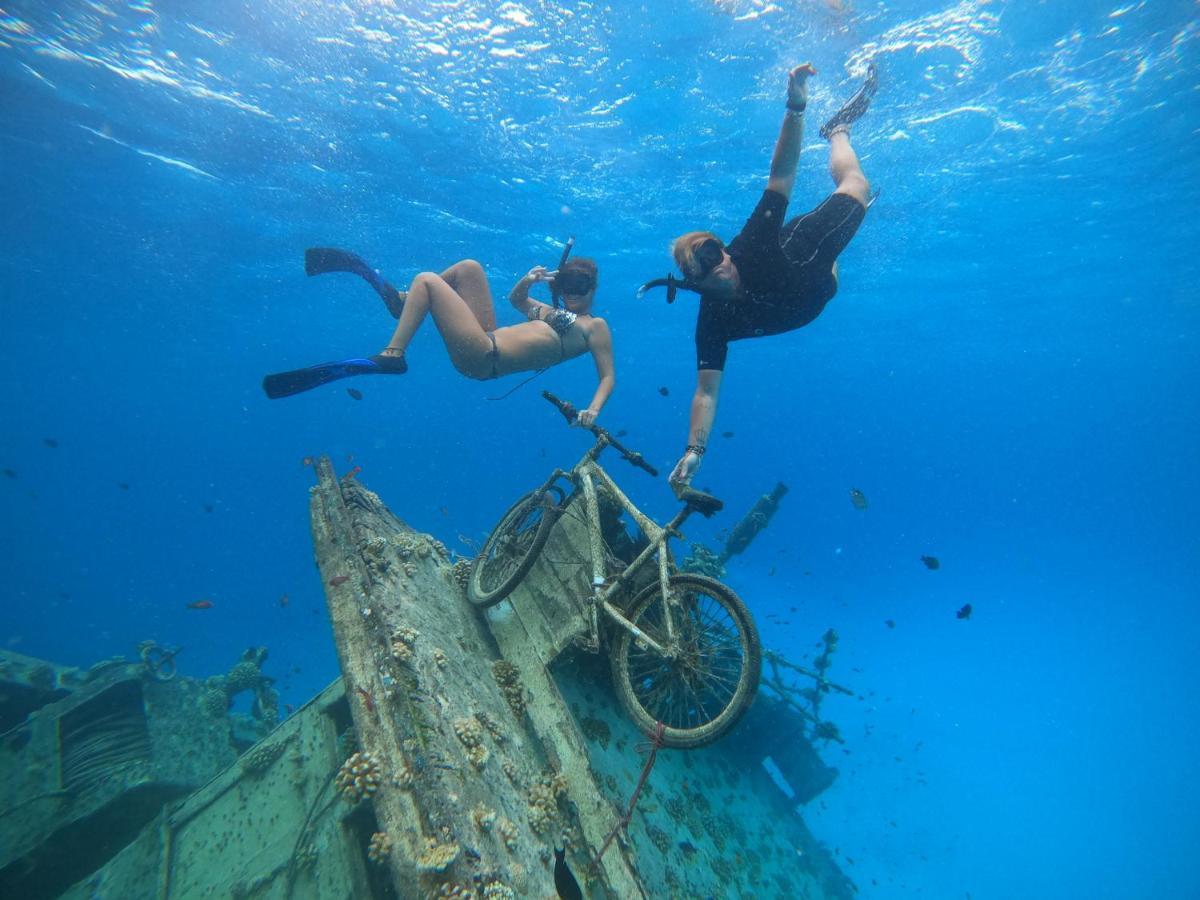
773, 277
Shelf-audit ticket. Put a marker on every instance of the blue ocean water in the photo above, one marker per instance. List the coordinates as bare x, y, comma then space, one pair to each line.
1009, 371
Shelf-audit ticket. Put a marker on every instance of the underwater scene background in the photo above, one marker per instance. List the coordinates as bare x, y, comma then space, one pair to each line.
1009, 372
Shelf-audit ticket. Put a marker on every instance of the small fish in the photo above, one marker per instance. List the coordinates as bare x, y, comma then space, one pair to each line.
123, 485
200, 604
338, 580
368, 700
564, 882
444, 511
353, 472
288, 708
355, 393
965, 612
664, 391
622, 432
858, 498
687, 847
772, 572
11, 473
50, 442
931, 562
307, 461
208, 507
889, 623
726, 434
284, 600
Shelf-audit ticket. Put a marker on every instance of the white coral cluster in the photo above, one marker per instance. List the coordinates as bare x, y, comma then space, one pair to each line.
497, 891
471, 735
359, 777
380, 848
403, 641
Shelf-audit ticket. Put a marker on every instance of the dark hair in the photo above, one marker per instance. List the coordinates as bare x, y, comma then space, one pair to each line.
581, 264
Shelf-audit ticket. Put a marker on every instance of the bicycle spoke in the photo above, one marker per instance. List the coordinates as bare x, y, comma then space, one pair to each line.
686, 691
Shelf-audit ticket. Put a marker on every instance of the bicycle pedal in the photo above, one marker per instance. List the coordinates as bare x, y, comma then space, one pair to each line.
588, 644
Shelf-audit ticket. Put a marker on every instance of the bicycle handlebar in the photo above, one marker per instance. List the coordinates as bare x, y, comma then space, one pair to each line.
631, 456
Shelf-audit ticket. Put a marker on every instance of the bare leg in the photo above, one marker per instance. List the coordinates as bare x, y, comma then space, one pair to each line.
844, 167
466, 342
470, 283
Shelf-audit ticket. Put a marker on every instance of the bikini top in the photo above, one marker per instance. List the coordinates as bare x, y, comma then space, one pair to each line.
560, 320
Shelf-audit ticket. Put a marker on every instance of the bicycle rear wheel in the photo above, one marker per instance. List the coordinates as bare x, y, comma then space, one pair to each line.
710, 675
511, 549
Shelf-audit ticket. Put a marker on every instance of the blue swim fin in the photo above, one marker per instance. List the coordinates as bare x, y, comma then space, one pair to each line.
320, 260
285, 384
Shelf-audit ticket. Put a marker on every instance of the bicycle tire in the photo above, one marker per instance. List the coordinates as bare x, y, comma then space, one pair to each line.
511, 549
637, 672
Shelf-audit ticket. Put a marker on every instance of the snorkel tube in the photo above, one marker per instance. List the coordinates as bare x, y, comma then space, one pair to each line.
554, 294
671, 283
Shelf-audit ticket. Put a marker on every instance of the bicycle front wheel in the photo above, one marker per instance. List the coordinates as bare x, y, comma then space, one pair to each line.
511, 549
709, 674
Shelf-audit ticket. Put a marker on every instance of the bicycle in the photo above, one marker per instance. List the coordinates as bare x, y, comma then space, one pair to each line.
686, 651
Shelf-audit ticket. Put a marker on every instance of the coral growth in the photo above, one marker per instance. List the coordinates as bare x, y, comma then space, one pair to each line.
380, 848
359, 777
258, 759
439, 658
596, 730
246, 675
509, 681
471, 735
544, 795
484, 817
455, 892
497, 891
403, 641
462, 573
659, 838
438, 857
508, 834
492, 726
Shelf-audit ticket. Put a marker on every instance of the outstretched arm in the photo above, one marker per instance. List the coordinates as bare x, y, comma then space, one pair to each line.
600, 340
791, 133
704, 411
519, 295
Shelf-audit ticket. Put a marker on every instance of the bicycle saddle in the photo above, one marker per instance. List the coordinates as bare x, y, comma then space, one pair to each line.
705, 504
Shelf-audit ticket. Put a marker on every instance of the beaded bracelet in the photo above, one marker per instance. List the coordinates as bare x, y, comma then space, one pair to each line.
698, 449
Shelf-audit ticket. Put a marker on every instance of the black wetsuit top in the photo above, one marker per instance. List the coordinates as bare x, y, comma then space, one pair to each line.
786, 273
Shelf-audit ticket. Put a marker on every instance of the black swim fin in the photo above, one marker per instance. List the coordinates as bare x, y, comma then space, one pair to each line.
856, 105
285, 384
320, 260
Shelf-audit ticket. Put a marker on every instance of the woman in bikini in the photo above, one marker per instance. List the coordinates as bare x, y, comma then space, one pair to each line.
460, 302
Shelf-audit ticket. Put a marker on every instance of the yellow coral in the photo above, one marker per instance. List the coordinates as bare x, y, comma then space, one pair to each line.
438, 857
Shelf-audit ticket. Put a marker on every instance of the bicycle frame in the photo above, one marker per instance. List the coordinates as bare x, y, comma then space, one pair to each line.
584, 474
